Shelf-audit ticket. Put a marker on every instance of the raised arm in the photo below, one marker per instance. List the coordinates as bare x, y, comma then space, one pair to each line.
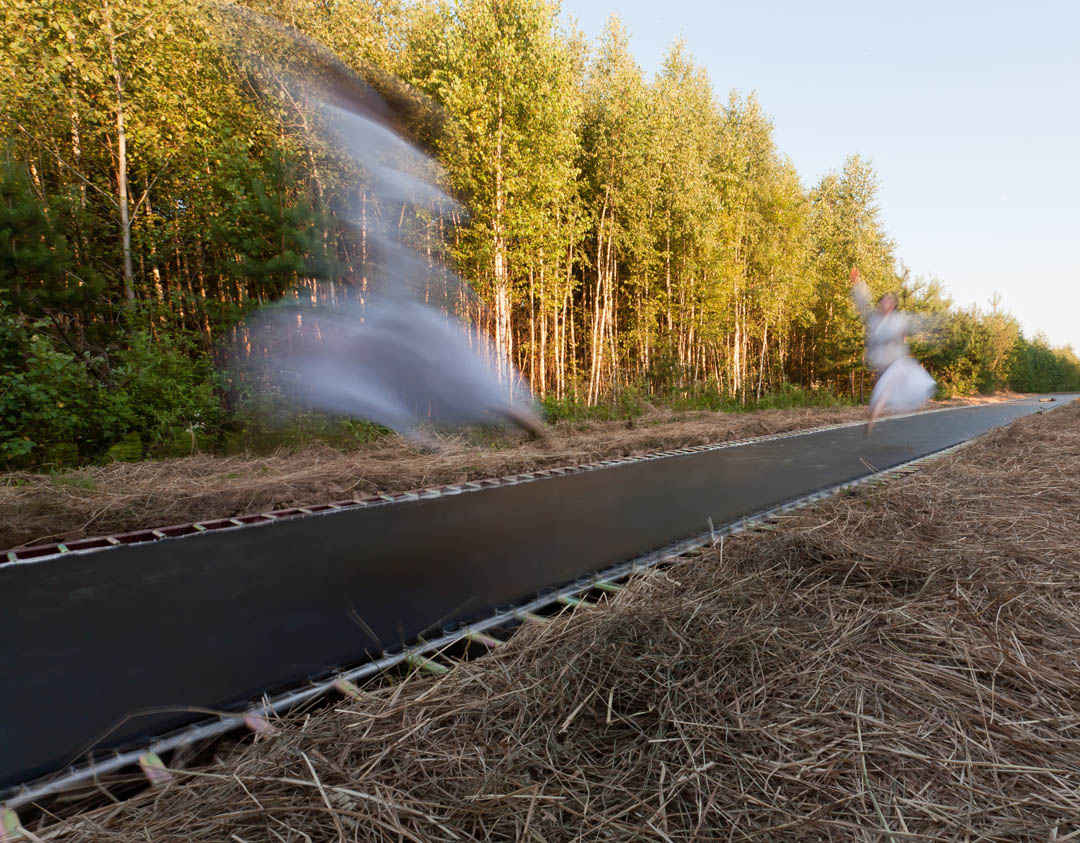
861, 293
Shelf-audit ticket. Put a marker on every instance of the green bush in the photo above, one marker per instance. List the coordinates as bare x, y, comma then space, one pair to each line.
46, 397
264, 423
164, 392
788, 396
701, 397
58, 408
630, 403
128, 449
1036, 367
627, 404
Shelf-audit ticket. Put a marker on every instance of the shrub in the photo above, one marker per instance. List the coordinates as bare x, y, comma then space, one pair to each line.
46, 397
164, 392
57, 407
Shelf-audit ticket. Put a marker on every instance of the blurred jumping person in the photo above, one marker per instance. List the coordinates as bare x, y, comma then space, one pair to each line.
902, 384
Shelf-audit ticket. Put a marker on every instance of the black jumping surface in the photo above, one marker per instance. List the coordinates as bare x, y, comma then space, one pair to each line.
104, 649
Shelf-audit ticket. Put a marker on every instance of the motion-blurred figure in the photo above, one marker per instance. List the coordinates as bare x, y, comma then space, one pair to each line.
902, 384
397, 354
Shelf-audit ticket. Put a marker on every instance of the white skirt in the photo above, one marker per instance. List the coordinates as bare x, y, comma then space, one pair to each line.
904, 386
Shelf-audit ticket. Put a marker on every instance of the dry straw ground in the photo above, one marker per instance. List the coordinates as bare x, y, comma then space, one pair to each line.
37, 508
900, 663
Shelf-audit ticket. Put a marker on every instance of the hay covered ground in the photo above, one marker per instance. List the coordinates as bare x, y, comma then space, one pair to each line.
97, 500
900, 663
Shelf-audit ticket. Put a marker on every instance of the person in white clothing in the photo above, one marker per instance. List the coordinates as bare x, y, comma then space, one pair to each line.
902, 384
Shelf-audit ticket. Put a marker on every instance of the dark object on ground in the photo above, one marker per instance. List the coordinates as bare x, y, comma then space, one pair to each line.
153, 635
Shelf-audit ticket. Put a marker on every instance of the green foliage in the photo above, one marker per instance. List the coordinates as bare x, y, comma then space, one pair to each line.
786, 397
34, 258
45, 395
967, 351
627, 404
128, 449
261, 424
1035, 367
256, 437
270, 228
138, 398
162, 391
631, 239
631, 403
845, 231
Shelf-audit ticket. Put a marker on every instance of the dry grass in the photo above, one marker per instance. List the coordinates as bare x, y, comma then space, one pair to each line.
116, 498
896, 664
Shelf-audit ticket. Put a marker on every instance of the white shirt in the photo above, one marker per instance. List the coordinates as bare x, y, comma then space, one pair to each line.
884, 334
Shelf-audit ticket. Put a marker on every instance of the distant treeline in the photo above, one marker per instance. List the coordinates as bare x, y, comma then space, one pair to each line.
624, 234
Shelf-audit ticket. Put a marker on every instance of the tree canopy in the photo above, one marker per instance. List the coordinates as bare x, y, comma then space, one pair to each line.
623, 232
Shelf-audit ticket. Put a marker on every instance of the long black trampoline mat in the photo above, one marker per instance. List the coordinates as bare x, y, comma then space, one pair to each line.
105, 649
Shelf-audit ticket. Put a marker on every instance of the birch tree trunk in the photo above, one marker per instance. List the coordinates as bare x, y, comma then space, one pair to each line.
121, 159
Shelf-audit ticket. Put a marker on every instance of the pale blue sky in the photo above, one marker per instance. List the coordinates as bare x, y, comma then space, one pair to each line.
970, 112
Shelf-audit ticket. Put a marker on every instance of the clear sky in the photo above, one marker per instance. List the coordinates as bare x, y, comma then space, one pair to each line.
969, 111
